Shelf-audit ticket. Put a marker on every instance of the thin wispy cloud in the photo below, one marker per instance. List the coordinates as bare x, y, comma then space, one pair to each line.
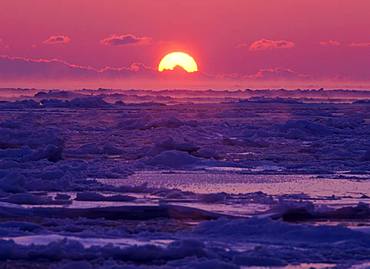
360, 45
124, 40
57, 39
330, 43
3, 45
278, 73
267, 44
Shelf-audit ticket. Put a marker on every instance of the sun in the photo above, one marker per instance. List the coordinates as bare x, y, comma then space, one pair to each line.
178, 58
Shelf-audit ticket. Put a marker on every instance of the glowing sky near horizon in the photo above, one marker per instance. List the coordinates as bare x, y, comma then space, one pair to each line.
255, 39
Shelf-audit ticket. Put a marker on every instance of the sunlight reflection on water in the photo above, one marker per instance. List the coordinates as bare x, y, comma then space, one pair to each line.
349, 190
86, 242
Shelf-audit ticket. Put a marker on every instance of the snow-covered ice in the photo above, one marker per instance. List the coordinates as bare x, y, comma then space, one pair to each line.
165, 179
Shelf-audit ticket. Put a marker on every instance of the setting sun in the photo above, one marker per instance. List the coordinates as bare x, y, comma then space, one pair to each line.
181, 59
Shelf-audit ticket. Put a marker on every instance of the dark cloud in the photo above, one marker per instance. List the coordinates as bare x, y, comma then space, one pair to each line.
122, 40
57, 39
267, 44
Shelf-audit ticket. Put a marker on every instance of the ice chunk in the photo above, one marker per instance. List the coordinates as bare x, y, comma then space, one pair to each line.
20, 225
254, 260
171, 144
94, 196
266, 230
174, 159
62, 196
30, 199
75, 265
300, 128
12, 182
133, 212
88, 102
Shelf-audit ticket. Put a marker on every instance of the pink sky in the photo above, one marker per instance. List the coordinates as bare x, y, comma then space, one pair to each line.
237, 42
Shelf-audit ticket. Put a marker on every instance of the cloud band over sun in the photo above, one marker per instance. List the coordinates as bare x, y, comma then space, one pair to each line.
25, 68
15, 70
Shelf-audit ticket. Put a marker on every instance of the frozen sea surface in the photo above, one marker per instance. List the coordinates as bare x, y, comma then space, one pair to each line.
103, 179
